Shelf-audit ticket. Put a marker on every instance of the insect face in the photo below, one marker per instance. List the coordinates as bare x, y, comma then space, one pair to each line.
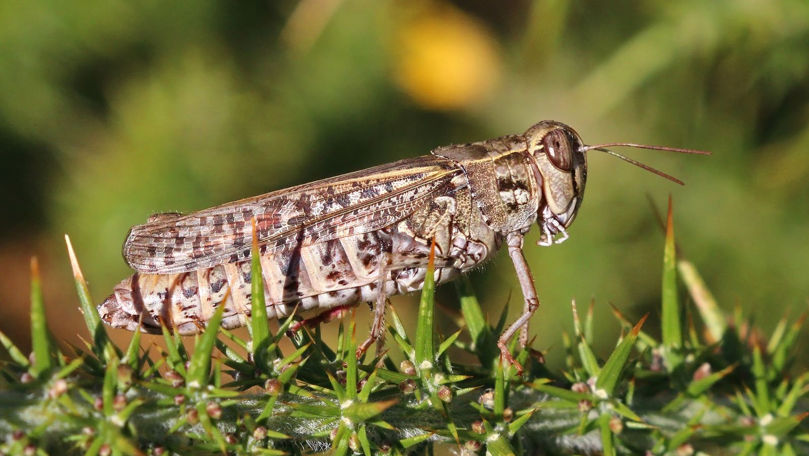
561, 164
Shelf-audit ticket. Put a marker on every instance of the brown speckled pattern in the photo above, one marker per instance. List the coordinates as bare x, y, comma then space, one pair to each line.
330, 243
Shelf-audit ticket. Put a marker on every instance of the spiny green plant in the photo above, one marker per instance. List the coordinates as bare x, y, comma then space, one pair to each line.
710, 386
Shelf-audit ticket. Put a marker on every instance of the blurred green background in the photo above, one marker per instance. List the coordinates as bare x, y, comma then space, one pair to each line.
113, 110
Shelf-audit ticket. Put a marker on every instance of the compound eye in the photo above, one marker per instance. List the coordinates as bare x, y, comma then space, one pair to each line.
557, 148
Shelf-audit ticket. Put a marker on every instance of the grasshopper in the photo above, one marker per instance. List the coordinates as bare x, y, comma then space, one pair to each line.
362, 236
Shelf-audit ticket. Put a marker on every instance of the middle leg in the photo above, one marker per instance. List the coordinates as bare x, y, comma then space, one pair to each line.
377, 332
514, 242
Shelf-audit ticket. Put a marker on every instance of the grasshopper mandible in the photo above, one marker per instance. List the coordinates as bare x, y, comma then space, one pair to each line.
361, 236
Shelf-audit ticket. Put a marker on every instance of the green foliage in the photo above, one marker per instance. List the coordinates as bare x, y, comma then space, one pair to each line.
672, 334
40, 337
259, 327
724, 392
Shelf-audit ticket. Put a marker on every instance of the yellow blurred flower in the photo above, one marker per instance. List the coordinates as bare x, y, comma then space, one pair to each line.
445, 59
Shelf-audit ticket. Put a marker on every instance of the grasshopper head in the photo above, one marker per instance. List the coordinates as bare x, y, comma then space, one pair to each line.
561, 164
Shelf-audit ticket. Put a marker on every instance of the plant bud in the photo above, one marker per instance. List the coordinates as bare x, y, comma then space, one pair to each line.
58, 388
273, 386
354, 442
585, 405
214, 410
174, 378
260, 433
486, 399
192, 417
444, 393
406, 367
508, 414
119, 402
616, 425
407, 386
580, 387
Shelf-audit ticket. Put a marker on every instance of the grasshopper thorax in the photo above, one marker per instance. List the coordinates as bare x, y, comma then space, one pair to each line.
561, 169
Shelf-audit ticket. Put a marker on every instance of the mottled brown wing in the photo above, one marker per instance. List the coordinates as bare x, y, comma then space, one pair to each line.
353, 203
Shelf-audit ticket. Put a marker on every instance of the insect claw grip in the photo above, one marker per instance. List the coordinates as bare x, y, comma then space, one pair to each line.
545, 238
559, 230
551, 227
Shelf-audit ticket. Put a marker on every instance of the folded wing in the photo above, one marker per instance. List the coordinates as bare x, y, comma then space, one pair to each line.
350, 204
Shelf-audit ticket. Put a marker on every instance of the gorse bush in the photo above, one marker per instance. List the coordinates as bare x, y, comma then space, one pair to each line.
710, 383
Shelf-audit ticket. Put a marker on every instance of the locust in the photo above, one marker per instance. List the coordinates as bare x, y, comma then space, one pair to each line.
361, 237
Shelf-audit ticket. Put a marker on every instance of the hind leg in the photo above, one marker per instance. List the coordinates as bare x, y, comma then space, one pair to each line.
323, 317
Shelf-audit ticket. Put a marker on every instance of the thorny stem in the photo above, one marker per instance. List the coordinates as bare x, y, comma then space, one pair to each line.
154, 418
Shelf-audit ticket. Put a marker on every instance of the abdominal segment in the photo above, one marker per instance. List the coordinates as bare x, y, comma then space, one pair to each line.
312, 278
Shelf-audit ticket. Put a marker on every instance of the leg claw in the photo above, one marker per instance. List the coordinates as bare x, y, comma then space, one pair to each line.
507, 359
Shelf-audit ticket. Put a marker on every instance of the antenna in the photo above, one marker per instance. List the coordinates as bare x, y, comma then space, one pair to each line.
603, 148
